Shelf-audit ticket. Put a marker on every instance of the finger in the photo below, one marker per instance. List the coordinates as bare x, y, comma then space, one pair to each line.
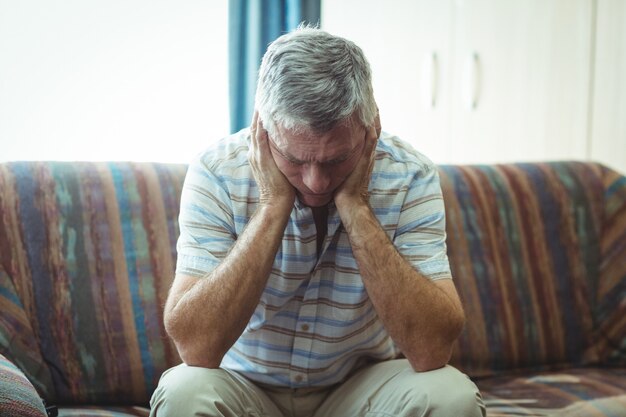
255, 118
370, 148
253, 139
254, 127
373, 130
370, 142
377, 123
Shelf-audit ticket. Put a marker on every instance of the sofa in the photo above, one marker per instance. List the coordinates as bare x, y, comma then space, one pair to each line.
88, 250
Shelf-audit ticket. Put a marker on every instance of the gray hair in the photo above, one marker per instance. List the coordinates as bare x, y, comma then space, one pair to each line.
310, 79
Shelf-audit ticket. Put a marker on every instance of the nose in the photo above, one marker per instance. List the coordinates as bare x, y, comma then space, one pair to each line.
316, 178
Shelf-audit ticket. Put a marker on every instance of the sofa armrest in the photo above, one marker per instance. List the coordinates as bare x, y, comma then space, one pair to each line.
18, 397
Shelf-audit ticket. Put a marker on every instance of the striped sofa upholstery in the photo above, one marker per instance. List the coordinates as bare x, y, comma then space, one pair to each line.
538, 251
87, 255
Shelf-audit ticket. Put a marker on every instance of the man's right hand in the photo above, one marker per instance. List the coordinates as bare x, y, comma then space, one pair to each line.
229, 294
274, 188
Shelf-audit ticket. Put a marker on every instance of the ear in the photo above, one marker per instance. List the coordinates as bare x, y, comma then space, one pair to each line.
377, 123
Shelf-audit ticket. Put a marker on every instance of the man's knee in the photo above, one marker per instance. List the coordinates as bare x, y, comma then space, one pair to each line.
185, 390
448, 392
442, 392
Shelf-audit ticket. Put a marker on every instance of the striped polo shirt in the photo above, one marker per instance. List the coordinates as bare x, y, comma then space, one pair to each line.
314, 322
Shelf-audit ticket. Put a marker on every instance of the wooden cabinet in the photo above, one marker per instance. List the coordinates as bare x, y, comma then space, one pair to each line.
481, 81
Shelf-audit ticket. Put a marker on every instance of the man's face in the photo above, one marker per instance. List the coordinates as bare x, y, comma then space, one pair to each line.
316, 165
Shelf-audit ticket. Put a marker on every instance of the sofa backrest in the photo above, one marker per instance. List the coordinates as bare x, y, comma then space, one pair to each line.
87, 255
538, 254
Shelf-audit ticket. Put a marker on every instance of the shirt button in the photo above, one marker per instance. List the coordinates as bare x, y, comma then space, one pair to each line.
298, 378
305, 327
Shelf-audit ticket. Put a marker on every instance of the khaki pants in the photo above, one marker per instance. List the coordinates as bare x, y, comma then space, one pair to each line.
389, 388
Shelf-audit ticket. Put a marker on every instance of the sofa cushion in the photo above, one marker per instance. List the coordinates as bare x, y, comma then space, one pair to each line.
527, 244
18, 397
90, 250
574, 392
609, 334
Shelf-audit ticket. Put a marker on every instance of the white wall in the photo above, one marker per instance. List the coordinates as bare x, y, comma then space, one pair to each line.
547, 76
141, 80
608, 124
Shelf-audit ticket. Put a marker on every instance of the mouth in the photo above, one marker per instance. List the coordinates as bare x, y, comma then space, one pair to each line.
315, 200
316, 195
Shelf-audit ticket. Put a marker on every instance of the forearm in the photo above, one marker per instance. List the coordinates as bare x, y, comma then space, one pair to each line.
420, 317
208, 318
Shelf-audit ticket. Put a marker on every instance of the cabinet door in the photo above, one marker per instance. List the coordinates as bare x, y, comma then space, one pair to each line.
407, 43
608, 133
522, 77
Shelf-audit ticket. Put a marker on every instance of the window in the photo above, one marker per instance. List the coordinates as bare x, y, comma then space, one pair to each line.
139, 80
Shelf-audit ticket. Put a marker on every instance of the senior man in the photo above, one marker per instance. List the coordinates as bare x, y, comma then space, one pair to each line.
312, 277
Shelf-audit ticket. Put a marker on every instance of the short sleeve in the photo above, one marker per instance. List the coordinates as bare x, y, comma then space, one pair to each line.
206, 222
421, 234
